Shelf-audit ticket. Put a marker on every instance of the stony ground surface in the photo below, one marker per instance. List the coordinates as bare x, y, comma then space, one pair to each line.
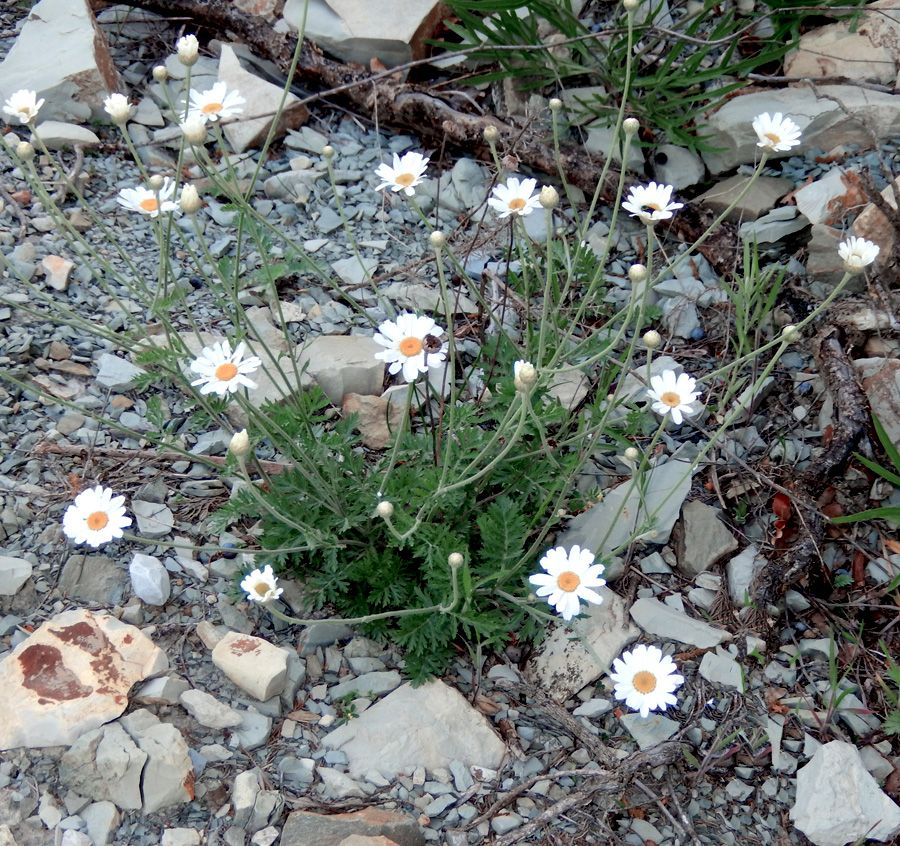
238, 727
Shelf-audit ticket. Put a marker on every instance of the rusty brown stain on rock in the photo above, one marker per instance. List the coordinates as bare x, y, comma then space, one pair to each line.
244, 645
82, 635
44, 672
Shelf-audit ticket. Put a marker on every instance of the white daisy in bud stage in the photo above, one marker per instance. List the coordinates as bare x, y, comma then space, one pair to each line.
117, 107
646, 679
24, 105
146, 201
651, 202
412, 344
404, 175
673, 395
261, 585
777, 134
223, 371
569, 578
857, 253
95, 517
516, 197
215, 104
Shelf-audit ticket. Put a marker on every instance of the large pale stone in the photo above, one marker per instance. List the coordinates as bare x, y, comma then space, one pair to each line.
762, 197
71, 676
62, 54
344, 364
253, 664
392, 31
263, 99
427, 726
377, 419
703, 539
662, 620
838, 802
874, 226
14, 572
573, 656
880, 379
304, 827
208, 711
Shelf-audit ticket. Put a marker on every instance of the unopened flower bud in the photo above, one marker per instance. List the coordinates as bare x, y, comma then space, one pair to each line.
630, 5
631, 126
791, 334
194, 129
160, 74
524, 375
385, 509
549, 198
632, 454
188, 48
652, 339
437, 239
190, 200
455, 560
637, 273
25, 151
239, 444
155, 182
555, 104
491, 134
328, 151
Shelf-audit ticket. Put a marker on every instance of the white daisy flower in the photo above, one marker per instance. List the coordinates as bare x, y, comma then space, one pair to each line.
650, 202
776, 134
413, 345
95, 517
857, 253
673, 395
117, 107
261, 585
646, 679
215, 104
223, 371
24, 105
570, 577
147, 201
515, 197
404, 175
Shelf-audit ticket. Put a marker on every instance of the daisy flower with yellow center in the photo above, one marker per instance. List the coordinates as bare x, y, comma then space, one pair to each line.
404, 175
215, 104
95, 517
515, 197
146, 201
412, 344
646, 679
569, 578
261, 585
651, 203
776, 134
673, 395
223, 371
857, 253
23, 105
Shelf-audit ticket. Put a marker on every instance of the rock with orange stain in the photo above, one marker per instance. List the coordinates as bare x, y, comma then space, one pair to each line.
253, 664
57, 270
72, 676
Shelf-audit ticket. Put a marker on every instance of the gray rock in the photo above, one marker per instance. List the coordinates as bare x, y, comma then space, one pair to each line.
880, 379
165, 690
208, 711
368, 684
703, 540
740, 571
243, 795
428, 726
762, 197
254, 730
572, 656
338, 785
297, 770
666, 622
93, 578
774, 226
593, 708
344, 364
720, 668
149, 579
650, 730
14, 572
838, 802
117, 374
677, 166
57, 135
503, 823
82, 71
154, 519
101, 819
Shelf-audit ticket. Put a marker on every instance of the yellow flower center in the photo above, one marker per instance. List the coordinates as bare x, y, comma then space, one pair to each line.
517, 204
410, 346
650, 207
226, 372
151, 204
97, 520
671, 399
262, 588
211, 108
644, 682
773, 137
568, 581
405, 179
